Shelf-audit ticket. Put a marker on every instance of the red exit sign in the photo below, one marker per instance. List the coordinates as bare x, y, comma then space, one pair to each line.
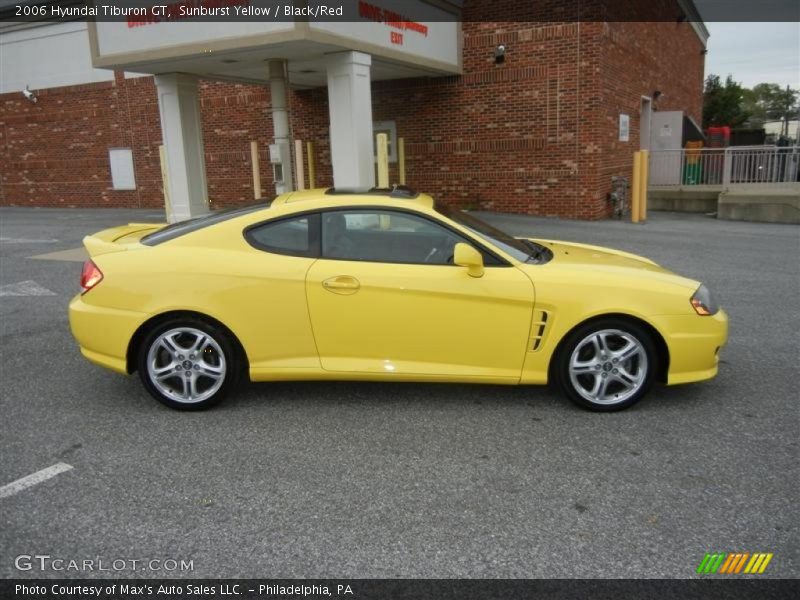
396, 38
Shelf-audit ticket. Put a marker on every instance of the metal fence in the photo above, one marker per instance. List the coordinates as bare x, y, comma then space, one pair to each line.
735, 165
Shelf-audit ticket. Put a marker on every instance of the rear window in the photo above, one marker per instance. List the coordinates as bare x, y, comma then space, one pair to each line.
175, 230
294, 236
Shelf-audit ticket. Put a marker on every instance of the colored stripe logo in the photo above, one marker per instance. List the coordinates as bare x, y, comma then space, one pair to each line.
734, 563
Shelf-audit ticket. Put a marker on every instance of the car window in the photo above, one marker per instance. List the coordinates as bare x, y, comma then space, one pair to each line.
386, 236
285, 236
181, 228
517, 248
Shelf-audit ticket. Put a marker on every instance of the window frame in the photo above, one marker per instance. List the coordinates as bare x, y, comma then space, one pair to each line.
314, 235
485, 252
176, 230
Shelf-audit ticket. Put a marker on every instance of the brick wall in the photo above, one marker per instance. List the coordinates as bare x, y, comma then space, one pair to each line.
638, 58
55, 152
536, 134
503, 137
234, 115
309, 122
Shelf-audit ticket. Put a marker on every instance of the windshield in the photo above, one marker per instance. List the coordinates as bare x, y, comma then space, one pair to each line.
170, 232
521, 250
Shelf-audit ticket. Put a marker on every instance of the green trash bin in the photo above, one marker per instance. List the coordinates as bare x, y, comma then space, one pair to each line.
692, 174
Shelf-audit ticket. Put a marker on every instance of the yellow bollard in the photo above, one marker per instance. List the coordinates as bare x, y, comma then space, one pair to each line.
383, 160
162, 156
401, 160
645, 174
299, 175
312, 166
636, 186
256, 170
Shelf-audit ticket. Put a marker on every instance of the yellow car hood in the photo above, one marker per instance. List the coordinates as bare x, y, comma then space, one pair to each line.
606, 260
573, 252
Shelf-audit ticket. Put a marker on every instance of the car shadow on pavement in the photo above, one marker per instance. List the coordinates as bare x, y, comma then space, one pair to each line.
391, 394
250, 396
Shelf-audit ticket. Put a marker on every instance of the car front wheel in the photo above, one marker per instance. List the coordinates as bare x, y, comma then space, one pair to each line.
187, 364
607, 365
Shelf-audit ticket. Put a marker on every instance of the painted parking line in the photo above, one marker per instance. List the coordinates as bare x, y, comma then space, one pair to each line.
33, 479
71, 255
25, 288
9, 240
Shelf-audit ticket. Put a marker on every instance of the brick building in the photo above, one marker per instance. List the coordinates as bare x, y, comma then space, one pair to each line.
537, 133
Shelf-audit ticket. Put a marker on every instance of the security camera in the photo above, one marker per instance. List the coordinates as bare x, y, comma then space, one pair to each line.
500, 54
29, 95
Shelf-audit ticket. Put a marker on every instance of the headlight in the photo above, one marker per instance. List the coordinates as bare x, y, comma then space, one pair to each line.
703, 303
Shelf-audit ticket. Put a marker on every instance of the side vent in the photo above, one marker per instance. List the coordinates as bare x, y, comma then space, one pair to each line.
538, 329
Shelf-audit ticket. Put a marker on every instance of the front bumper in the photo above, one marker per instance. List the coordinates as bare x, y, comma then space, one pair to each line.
694, 344
103, 334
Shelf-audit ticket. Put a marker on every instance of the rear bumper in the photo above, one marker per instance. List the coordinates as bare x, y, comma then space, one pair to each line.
103, 334
694, 344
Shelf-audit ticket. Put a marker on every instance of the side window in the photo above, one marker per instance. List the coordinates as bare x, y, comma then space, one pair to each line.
386, 236
294, 236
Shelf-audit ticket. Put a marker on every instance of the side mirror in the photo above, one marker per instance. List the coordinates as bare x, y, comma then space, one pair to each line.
465, 255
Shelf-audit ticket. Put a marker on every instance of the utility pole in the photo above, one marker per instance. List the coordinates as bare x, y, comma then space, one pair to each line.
785, 125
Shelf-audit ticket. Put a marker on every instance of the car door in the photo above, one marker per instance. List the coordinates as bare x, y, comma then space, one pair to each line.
269, 295
385, 298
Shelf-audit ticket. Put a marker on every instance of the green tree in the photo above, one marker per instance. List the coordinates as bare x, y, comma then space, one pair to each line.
770, 102
722, 104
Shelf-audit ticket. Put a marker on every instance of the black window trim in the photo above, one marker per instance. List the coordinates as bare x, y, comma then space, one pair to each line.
174, 231
502, 262
314, 230
315, 235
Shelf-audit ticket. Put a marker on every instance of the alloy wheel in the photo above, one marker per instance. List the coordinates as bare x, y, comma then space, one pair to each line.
186, 365
608, 366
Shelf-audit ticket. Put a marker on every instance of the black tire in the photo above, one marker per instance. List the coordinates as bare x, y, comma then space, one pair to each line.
214, 367
618, 334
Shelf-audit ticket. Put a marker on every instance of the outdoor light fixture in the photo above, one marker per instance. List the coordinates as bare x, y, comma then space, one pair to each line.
500, 54
29, 95
657, 94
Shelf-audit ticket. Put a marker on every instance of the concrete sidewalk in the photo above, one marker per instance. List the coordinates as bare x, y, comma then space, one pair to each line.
775, 203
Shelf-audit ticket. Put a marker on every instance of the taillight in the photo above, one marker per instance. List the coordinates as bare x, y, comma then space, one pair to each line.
90, 276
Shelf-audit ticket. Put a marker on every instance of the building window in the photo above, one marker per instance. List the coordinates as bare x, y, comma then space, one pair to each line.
624, 127
122, 175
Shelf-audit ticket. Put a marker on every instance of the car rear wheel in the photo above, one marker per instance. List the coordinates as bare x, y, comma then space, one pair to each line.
188, 364
607, 365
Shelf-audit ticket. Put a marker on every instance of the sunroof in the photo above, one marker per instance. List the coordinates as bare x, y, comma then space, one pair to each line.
396, 191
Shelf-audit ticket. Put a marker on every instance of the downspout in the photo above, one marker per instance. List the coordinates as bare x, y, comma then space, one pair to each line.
280, 153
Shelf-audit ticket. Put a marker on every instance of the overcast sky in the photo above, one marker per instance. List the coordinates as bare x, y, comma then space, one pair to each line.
755, 52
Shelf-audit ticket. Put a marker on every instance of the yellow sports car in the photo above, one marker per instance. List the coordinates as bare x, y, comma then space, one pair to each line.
383, 285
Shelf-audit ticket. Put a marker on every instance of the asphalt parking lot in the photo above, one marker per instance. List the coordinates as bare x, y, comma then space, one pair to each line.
406, 480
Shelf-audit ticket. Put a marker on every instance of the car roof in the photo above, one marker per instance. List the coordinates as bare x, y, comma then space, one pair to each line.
331, 197
290, 203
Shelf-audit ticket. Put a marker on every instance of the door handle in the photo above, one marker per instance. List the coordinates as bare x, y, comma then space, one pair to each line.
342, 284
